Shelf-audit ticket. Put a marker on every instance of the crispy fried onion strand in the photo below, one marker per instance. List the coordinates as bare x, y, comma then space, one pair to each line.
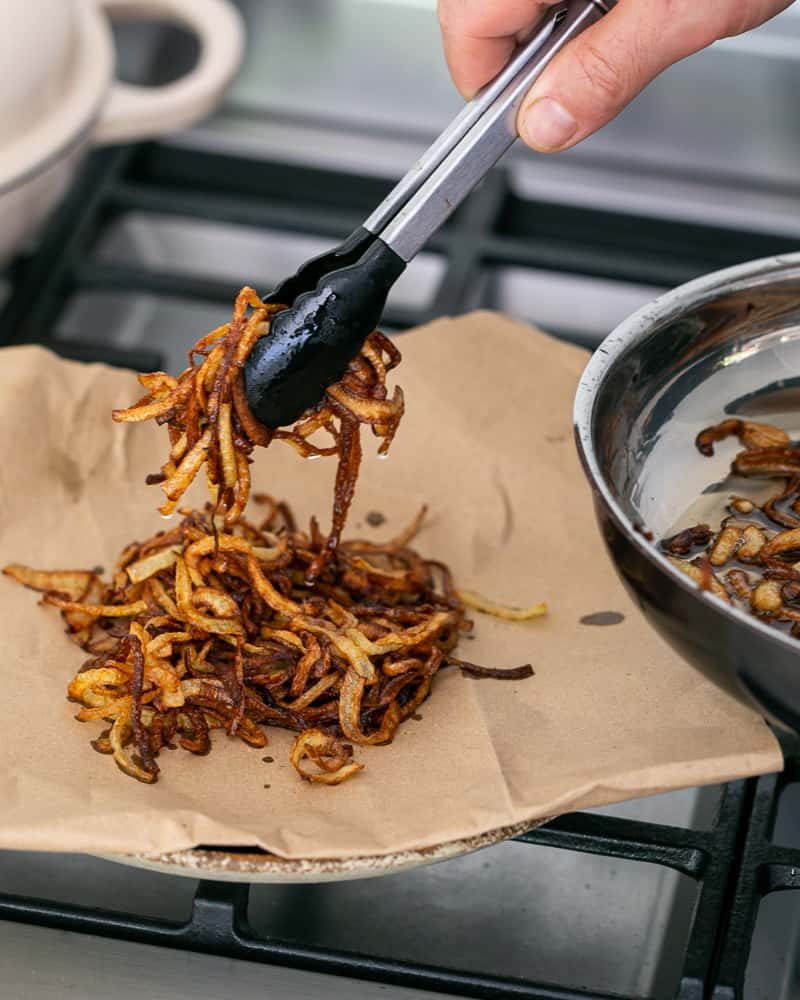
211, 425
753, 559
209, 626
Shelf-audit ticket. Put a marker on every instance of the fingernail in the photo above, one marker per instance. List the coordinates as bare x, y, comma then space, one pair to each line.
547, 125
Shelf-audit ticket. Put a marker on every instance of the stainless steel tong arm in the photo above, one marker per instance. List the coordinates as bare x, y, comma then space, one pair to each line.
476, 139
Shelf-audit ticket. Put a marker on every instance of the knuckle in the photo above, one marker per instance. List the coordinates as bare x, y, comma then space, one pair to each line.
738, 18
706, 23
604, 75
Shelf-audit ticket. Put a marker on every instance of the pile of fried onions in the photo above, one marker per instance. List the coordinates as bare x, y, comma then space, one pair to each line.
753, 559
205, 627
222, 623
211, 425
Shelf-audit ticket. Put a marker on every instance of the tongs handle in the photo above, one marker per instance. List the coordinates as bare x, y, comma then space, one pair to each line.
456, 161
476, 139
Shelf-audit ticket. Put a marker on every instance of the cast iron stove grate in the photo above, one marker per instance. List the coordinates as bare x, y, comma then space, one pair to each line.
734, 864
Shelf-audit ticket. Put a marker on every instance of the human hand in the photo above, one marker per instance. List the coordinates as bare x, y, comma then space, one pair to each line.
594, 77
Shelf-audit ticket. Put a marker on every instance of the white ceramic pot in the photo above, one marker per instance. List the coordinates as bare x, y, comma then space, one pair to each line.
58, 95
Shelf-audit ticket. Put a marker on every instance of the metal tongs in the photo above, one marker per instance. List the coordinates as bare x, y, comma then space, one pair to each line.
335, 301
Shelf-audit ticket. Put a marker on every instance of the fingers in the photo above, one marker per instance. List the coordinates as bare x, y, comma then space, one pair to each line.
602, 70
598, 73
480, 35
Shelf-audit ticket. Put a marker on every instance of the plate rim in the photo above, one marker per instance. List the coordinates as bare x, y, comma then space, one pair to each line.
249, 865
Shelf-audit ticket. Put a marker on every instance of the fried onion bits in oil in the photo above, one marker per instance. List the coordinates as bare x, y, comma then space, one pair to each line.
753, 559
234, 624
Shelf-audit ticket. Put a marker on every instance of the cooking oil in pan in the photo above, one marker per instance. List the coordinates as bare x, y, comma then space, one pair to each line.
712, 506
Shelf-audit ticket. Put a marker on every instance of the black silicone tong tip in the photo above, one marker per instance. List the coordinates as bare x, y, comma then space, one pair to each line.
306, 277
311, 343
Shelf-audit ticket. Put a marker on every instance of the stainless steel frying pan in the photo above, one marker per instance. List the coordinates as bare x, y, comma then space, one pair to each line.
724, 345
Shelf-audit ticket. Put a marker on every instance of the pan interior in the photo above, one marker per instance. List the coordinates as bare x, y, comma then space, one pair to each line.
737, 354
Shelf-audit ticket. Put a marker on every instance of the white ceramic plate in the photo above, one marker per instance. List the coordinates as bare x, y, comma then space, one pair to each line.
231, 865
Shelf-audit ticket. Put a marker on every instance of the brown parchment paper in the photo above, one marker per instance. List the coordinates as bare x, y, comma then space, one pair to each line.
486, 442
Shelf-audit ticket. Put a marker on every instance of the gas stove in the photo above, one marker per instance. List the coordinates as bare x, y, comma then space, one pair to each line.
679, 895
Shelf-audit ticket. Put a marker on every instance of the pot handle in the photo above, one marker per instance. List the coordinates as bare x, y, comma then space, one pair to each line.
145, 112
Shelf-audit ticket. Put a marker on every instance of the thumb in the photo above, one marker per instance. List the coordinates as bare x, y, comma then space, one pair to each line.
592, 79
